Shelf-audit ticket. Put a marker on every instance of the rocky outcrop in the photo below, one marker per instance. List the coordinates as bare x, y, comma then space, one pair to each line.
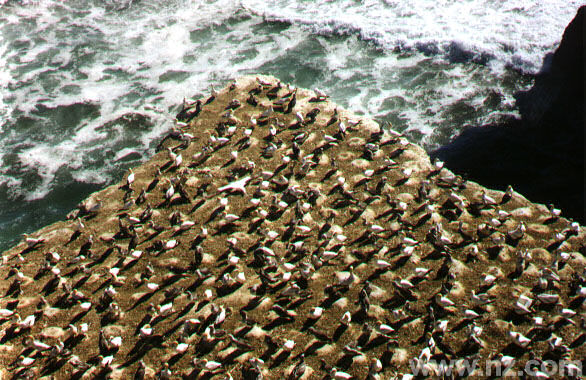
277, 235
542, 154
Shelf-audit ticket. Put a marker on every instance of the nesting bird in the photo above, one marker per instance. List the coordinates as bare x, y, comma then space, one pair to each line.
284, 237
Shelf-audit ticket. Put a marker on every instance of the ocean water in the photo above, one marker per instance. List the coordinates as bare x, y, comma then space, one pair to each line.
88, 87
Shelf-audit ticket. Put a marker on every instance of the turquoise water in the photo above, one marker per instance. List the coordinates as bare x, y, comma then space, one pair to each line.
88, 87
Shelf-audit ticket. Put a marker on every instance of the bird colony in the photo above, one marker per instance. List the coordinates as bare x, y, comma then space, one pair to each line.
275, 235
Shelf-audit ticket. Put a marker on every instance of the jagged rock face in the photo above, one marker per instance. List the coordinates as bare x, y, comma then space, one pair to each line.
276, 235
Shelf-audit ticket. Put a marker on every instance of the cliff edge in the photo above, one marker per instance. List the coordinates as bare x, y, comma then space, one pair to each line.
542, 154
278, 235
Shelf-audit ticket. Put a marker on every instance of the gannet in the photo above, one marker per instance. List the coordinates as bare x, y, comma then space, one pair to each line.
130, 178
263, 83
299, 370
32, 242
289, 345
519, 339
320, 93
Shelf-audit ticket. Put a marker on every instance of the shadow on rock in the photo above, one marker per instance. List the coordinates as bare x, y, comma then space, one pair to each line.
542, 154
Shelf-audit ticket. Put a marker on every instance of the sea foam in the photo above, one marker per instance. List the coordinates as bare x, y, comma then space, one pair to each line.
411, 65
517, 33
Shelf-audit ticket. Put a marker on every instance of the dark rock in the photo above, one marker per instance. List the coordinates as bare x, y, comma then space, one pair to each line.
541, 154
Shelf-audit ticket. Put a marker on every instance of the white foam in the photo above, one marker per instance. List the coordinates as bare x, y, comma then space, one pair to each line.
95, 176
517, 33
5, 79
46, 160
151, 40
11, 183
124, 152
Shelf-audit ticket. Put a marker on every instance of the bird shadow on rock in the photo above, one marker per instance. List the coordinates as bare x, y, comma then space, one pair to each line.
280, 359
